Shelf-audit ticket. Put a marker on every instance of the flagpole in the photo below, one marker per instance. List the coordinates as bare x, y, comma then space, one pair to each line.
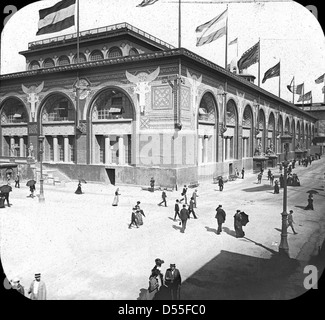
293, 91
179, 24
259, 62
279, 78
303, 93
77, 88
226, 49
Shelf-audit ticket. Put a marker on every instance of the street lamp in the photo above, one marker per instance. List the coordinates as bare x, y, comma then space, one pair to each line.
41, 151
284, 247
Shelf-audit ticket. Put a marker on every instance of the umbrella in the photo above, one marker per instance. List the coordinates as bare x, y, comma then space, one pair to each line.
312, 191
30, 183
244, 218
5, 188
82, 181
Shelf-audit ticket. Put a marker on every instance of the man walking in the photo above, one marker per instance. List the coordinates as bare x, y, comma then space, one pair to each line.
291, 222
191, 209
176, 209
194, 196
17, 185
221, 218
220, 184
173, 281
242, 173
184, 215
37, 288
163, 196
183, 194
133, 218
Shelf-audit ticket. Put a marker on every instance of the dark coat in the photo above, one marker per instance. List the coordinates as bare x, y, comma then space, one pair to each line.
220, 182
173, 279
184, 215
176, 207
220, 215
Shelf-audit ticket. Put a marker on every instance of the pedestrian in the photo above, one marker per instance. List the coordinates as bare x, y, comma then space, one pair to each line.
238, 225
220, 182
37, 288
243, 173
152, 184
116, 198
32, 189
291, 222
5, 195
310, 205
163, 196
17, 286
17, 185
154, 284
259, 178
158, 266
78, 191
236, 172
276, 187
281, 178
271, 179
139, 215
173, 281
133, 218
184, 195
191, 209
176, 210
269, 173
221, 218
184, 215
280, 167
194, 196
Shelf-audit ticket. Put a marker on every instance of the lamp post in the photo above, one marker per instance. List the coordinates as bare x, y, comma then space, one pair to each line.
41, 151
284, 247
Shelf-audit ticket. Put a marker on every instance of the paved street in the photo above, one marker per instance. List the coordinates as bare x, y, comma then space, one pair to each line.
84, 249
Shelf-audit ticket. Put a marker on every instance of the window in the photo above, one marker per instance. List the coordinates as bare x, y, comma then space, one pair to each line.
115, 52
133, 52
63, 61
82, 58
34, 65
96, 55
48, 63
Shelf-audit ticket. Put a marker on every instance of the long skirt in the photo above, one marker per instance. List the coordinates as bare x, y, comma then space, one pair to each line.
115, 201
139, 218
239, 230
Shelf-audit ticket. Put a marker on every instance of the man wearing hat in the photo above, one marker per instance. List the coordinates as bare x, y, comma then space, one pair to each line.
37, 288
184, 215
173, 281
291, 222
134, 218
221, 218
17, 286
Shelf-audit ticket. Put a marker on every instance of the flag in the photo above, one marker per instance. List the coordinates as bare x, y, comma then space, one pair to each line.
233, 42
145, 3
249, 57
56, 18
295, 89
320, 79
212, 30
305, 97
272, 72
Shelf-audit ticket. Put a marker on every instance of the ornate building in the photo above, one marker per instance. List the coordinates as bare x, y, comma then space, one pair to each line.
145, 109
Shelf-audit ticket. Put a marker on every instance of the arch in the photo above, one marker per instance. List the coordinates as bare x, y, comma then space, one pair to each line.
63, 60
13, 110
82, 58
280, 133
133, 51
115, 52
34, 65
261, 125
293, 129
248, 126
287, 126
48, 63
231, 135
96, 55
271, 135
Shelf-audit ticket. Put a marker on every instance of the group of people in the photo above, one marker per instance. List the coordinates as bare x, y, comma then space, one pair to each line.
37, 289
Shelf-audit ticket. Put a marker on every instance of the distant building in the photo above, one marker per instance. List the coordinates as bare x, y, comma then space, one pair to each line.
145, 109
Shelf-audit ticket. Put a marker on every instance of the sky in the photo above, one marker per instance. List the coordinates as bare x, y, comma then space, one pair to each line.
288, 32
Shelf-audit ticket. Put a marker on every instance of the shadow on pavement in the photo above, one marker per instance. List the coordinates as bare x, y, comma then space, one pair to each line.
300, 207
177, 227
230, 232
260, 188
211, 230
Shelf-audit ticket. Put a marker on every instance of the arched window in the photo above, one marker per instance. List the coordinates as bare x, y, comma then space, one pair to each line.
48, 63
133, 52
231, 135
82, 58
57, 108
115, 52
13, 111
34, 65
247, 136
63, 61
96, 55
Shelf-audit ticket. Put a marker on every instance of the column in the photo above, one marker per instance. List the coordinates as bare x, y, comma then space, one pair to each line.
121, 150
199, 151
108, 154
21, 146
11, 146
205, 148
228, 148
66, 148
55, 148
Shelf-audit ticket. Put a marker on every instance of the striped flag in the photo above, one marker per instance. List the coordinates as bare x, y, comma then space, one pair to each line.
57, 18
320, 79
295, 89
145, 3
233, 42
249, 57
272, 72
305, 97
212, 30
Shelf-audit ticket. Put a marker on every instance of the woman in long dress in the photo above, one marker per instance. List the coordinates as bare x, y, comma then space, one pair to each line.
116, 198
238, 225
78, 191
154, 284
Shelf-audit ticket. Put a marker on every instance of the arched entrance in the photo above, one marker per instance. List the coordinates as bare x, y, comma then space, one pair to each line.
14, 132
271, 132
57, 123
207, 125
247, 146
231, 135
111, 117
280, 133
260, 138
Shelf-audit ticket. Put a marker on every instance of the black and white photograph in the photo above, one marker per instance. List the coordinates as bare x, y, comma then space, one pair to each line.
162, 150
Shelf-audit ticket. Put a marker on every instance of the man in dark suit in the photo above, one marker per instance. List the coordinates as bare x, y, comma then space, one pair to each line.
184, 194
220, 184
191, 209
221, 218
163, 196
184, 215
173, 281
176, 209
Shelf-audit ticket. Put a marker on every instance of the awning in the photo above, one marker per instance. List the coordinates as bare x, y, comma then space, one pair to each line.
8, 165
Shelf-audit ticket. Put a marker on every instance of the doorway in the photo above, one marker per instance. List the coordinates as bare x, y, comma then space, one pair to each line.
230, 169
111, 175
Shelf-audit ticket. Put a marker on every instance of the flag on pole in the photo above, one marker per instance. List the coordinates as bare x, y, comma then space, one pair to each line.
57, 18
305, 97
145, 3
272, 72
233, 42
295, 89
212, 30
249, 57
320, 79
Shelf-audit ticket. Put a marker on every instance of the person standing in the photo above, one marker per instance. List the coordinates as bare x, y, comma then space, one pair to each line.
238, 225
116, 198
32, 190
133, 218
281, 178
152, 184
259, 178
310, 205
271, 179
269, 173
37, 288
78, 191
154, 284
194, 196
191, 209
17, 286
158, 266
221, 218
220, 182
243, 173
173, 281
176, 210
17, 185
139, 215
291, 222
183, 194
276, 187
184, 215
163, 196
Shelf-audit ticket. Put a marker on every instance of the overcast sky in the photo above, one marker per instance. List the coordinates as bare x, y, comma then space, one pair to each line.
288, 31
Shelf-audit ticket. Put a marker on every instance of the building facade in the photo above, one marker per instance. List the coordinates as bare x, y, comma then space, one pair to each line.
131, 106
